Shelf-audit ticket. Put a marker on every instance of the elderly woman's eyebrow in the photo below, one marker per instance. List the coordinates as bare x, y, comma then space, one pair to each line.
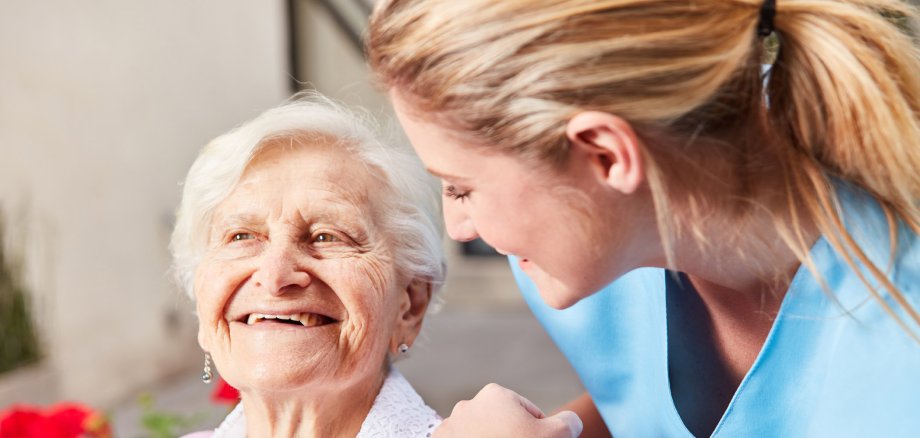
345, 220
238, 219
334, 215
348, 219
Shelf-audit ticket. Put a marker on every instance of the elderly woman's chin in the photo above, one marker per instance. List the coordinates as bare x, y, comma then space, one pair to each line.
288, 364
312, 251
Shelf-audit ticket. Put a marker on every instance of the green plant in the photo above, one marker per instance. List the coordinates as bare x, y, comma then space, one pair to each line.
162, 424
19, 344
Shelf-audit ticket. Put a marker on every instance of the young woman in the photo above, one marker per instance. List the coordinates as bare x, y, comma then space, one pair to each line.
760, 231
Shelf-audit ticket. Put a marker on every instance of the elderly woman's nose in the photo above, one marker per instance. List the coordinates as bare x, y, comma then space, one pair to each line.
280, 269
460, 226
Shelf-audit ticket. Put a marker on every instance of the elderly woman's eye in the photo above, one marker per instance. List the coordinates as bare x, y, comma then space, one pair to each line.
241, 236
325, 238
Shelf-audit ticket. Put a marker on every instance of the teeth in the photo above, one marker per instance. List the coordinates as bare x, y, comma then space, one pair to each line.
306, 319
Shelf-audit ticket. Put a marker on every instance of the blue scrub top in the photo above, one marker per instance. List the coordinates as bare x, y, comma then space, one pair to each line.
826, 369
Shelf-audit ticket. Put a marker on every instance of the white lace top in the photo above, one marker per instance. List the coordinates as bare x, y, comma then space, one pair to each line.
398, 412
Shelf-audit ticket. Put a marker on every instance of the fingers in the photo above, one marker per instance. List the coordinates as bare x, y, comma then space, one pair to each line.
494, 390
570, 421
500, 412
531, 408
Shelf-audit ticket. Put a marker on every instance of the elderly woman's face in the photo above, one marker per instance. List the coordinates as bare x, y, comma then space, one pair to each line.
298, 286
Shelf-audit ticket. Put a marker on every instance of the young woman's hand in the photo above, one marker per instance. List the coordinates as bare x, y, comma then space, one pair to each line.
500, 412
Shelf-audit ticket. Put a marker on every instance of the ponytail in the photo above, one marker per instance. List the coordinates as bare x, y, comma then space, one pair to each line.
844, 94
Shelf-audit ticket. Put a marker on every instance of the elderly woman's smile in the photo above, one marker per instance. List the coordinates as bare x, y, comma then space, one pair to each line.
301, 319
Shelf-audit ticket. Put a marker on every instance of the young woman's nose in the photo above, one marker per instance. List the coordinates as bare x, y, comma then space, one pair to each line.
279, 270
460, 226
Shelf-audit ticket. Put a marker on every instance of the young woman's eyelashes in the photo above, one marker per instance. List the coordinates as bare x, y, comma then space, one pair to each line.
451, 191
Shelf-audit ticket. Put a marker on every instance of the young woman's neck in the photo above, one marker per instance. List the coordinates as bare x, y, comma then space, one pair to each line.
744, 257
325, 411
754, 268
743, 268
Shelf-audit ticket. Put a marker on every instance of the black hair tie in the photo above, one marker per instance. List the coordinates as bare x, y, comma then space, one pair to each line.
767, 12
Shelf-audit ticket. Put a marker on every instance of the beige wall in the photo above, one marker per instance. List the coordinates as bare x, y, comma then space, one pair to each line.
330, 63
103, 106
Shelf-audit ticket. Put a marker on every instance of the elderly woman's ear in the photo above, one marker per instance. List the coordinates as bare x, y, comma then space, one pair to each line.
413, 303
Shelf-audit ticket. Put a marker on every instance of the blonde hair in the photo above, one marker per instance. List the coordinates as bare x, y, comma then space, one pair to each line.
842, 98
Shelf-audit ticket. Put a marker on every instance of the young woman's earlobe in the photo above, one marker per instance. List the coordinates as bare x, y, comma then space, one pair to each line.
612, 148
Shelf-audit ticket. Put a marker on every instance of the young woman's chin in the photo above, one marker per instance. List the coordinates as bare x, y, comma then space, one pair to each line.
556, 292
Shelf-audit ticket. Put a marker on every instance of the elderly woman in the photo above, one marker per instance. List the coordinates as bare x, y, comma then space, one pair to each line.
312, 251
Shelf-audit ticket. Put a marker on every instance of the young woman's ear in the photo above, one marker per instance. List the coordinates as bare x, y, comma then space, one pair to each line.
412, 308
611, 148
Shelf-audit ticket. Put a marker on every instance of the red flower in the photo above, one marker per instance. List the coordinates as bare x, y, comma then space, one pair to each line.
224, 393
20, 422
65, 420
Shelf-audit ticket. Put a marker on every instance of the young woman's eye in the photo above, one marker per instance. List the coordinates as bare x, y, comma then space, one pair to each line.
241, 236
325, 238
452, 192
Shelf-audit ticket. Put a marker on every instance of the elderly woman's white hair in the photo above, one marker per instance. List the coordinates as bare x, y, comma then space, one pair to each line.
410, 204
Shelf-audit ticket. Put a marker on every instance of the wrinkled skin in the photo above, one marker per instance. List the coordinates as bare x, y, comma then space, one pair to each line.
301, 233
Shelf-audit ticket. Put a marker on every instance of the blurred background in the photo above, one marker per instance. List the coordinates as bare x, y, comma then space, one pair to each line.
103, 106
